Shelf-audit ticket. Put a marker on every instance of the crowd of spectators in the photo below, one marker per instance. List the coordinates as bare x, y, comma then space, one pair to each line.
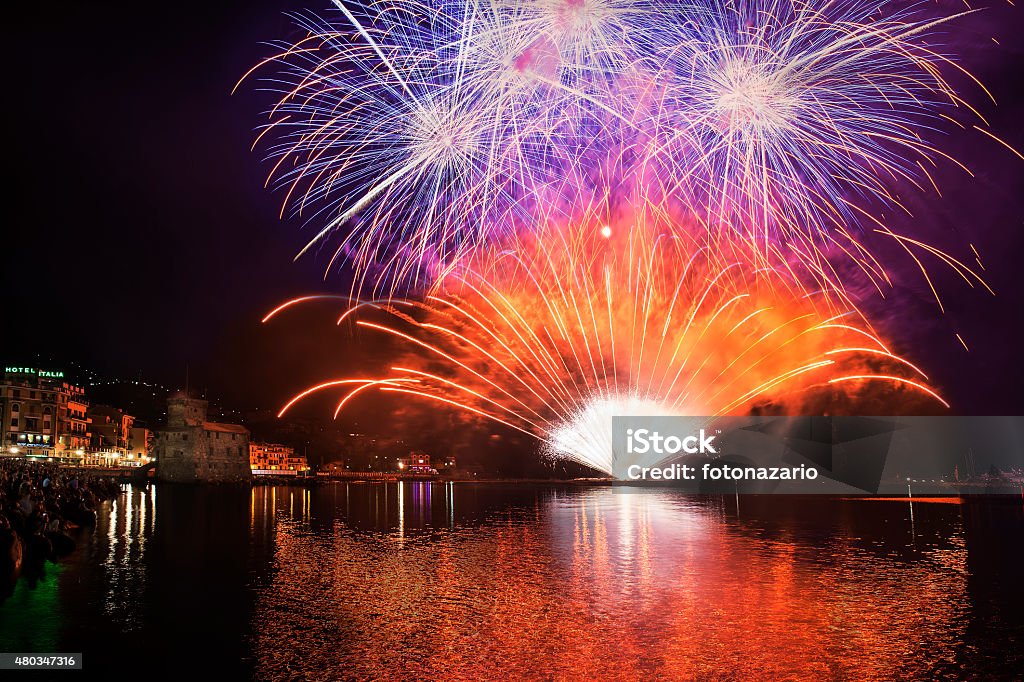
40, 502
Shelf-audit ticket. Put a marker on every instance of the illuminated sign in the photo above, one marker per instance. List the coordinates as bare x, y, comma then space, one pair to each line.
42, 373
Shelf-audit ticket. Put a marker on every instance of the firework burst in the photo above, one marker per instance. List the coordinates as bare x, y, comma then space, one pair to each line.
412, 133
785, 114
793, 125
409, 134
554, 337
616, 207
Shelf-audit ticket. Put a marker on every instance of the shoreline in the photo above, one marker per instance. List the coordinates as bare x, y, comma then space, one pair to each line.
951, 496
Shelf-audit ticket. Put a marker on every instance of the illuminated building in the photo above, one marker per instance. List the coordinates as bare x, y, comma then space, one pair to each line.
42, 415
111, 438
192, 449
111, 428
416, 463
275, 459
77, 435
140, 442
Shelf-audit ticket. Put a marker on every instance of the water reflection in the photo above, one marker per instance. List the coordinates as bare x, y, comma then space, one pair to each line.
477, 581
121, 536
444, 580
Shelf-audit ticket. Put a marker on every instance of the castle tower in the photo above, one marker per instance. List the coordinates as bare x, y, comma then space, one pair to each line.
185, 411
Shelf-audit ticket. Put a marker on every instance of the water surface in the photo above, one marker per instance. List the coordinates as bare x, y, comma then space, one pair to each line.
495, 581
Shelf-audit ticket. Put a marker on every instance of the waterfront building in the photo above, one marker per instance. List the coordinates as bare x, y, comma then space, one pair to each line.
111, 435
42, 415
275, 459
76, 436
111, 428
140, 443
192, 449
416, 463
297, 462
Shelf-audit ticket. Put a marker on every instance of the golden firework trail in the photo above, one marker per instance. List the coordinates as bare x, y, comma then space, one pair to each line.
553, 337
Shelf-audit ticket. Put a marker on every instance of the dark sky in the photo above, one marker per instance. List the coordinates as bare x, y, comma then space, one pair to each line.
140, 238
143, 239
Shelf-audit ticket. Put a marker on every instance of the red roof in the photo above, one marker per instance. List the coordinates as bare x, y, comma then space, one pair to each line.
224, 428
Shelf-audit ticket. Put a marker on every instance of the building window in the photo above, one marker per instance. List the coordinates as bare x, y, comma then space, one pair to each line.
15, 407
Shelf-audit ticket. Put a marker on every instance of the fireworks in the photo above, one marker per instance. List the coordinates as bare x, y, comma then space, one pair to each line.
792, 114
568, 210
408, 135
553, 338
418, 132
791, 123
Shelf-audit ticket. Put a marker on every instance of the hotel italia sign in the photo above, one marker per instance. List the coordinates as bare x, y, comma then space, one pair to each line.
42, 373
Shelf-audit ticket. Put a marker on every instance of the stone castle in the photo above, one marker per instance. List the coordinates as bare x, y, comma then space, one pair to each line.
192, 449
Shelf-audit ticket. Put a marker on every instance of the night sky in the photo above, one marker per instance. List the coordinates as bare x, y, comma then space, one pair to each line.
140, 238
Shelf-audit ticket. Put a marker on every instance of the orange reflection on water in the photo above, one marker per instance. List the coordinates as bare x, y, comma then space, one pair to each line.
599, 583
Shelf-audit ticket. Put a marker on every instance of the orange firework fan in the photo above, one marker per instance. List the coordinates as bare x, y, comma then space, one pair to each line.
552, 338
